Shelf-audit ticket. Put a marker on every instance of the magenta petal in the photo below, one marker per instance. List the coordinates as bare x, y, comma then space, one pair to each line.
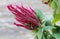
27, 16
22, 26
21, 20
26, 11
16, 12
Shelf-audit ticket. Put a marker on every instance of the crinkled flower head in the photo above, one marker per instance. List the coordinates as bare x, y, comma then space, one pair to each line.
26, 17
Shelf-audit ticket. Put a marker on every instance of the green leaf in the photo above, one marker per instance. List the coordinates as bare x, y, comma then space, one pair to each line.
50, 1
56, 15
53, 5
49, 27
36, 37
43, 37
39, 14
56, 35
40, 33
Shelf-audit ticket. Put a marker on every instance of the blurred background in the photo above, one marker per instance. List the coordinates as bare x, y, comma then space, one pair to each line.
10, 31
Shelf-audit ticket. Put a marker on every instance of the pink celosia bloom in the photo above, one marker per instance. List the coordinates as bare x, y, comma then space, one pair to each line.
26, 17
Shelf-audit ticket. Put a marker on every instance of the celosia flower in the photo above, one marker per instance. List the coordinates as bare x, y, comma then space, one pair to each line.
26, 17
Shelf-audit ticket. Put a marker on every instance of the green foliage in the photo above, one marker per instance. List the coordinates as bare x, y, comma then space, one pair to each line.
39, 14
40, 33
48, 31
56, 35
55, 5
